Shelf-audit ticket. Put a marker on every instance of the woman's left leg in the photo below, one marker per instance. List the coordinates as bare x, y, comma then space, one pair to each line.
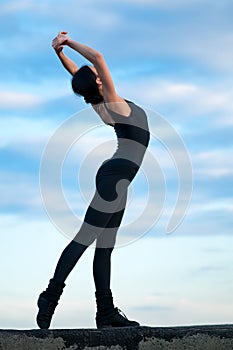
107, 315
104, 246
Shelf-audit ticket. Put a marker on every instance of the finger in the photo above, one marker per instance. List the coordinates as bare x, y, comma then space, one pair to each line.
55, 43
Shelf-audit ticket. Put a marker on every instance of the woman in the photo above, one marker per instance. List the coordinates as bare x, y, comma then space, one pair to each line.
105, 212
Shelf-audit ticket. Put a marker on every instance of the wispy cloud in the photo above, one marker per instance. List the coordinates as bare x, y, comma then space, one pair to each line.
16, 100
213, 163
166, 4
188, 98
16, 6
25, 135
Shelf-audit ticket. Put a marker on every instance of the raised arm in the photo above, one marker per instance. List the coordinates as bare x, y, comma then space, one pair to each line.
97, 59
68, 64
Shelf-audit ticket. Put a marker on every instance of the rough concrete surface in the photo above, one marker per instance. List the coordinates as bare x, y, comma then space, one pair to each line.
214, 337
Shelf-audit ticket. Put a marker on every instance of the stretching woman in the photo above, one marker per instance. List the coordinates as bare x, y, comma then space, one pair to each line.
104, 214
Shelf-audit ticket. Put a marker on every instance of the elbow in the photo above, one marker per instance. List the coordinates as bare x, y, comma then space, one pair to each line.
73, 71
98, 58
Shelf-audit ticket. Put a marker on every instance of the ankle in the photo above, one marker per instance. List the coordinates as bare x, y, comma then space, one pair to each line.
103, 292
53, 291
104, 302
56, 283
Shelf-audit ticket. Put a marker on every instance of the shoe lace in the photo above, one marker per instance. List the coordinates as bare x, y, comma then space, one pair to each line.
121, 313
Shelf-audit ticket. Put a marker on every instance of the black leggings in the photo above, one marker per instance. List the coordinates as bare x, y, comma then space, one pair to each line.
101, 222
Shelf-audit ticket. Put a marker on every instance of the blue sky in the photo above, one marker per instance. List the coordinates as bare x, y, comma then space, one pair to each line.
174, 57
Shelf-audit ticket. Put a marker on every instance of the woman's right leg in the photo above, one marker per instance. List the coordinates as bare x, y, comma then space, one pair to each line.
69, 258
98, 224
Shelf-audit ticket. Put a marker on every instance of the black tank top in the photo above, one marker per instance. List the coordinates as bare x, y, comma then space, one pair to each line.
132, 134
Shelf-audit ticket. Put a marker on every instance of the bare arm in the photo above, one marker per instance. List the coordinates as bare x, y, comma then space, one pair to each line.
67, 63
97, 59
89, 53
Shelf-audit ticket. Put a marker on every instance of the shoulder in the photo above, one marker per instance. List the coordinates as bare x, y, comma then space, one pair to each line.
119, 106
101, 110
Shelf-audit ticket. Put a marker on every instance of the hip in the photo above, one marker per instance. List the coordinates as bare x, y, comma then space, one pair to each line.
118, 166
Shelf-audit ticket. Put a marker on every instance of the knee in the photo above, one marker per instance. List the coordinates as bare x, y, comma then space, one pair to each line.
103, 251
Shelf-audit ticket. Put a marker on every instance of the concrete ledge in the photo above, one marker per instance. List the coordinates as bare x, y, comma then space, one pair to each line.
214, 337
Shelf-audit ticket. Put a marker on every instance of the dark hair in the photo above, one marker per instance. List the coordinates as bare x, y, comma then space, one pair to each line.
84, 84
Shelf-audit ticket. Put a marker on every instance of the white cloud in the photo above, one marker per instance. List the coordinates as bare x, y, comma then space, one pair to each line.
15, 100
22, 193
206, 206
25, 135
16, 6
66, 13
211, 49
191, 99
203, 37
227, 120
215, 164
163, 4
26, 95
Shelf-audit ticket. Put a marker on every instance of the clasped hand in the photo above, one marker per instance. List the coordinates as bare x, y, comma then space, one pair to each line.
60, 41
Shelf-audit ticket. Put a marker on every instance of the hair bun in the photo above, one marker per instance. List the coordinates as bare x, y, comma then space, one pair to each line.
94, 99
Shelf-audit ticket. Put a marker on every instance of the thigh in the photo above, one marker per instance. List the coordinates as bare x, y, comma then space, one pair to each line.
106, 209
101, 223
107, 238
113, 179
108, 203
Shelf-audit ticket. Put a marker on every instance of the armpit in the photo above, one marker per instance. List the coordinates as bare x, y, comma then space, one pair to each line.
104, 114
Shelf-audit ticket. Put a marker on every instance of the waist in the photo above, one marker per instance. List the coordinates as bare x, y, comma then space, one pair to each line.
130, 150
116, 162
126, 133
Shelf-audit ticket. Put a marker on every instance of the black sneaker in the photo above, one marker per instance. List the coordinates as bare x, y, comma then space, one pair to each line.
47, 303
46, 311
115, 319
